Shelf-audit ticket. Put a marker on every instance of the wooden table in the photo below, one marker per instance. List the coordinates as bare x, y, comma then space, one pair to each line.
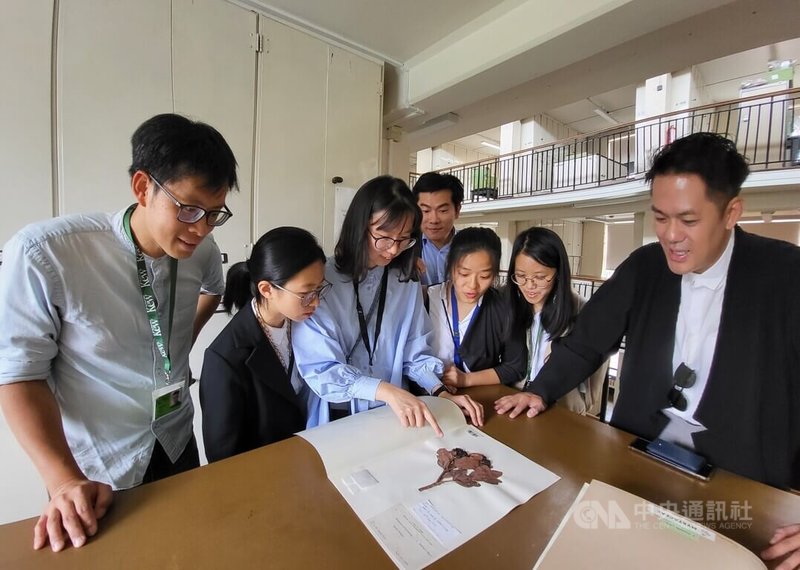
274, 507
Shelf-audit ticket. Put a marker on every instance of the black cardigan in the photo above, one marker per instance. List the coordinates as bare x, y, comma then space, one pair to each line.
246, 396
751, 404
489, 344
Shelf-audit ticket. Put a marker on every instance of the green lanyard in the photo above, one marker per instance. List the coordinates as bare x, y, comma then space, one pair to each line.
149, 296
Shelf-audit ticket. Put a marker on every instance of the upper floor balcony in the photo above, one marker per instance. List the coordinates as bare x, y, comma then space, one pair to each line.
611, 164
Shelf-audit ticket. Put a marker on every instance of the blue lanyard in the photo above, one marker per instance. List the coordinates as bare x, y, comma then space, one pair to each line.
456, 333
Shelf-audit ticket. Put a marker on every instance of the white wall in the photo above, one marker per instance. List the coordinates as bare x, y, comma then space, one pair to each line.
25, 118
543, 129
451, 154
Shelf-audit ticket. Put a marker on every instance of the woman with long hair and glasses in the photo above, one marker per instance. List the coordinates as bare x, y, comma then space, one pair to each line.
250, 391
544, 306
471, 318
371, 333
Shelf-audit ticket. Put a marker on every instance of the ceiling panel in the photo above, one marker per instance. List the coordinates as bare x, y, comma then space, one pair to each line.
395, 31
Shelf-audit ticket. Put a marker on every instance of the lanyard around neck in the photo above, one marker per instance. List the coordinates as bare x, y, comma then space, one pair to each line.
149, 296
456, 333
362, 320
533, 351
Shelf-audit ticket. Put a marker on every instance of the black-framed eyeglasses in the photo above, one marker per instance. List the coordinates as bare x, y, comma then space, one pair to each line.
537, 281
385, 243
307, 298
189, 214
684, 377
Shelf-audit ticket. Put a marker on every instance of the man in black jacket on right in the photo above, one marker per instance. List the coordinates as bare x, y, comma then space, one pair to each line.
711, 317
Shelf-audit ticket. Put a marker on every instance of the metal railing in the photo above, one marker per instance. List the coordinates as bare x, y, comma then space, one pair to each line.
583, 285
586, 286
761, 126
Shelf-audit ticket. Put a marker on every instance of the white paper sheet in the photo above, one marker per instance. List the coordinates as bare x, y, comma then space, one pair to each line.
378, 466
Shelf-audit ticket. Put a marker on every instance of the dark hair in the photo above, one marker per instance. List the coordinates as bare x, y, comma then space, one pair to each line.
710, 156
384, 193
559, 310
277, 256
471, 240
170, 147
434, 182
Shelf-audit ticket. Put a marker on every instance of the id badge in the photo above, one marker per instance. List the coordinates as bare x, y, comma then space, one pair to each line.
167, 399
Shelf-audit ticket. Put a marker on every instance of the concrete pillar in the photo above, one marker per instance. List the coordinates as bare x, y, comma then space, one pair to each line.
424, 160
510, 137
398, 158
507, 231
506, 176
593, 252
643, 228
659, 95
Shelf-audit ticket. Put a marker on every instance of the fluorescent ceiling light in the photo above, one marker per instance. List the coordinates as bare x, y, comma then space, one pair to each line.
611, 220
602, 114
491, 145
438, 123
773, 221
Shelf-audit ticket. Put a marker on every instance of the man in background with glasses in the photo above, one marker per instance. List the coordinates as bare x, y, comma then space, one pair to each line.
98, 313
711, 317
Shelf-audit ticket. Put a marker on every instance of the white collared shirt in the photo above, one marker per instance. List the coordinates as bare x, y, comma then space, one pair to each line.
539, 343
698, 324
441, 318
280, 338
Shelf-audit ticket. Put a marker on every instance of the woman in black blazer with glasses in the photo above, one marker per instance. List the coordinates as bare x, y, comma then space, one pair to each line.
250, 391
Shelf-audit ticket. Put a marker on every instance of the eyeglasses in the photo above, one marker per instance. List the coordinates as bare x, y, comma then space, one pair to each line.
307, 298
537, 280
189, 214
684, 377
384, 243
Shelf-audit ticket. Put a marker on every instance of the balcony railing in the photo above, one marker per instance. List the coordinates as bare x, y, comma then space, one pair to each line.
761, 126
583, 285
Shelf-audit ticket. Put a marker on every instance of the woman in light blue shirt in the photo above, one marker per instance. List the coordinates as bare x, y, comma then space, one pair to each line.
371, 332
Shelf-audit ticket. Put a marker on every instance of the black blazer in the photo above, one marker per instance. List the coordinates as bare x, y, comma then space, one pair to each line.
489, 344
246, 396
751, 404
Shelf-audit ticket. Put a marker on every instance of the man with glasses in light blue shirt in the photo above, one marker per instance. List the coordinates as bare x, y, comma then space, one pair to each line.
98, 313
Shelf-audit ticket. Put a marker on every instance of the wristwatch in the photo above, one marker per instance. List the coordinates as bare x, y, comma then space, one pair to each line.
438, 390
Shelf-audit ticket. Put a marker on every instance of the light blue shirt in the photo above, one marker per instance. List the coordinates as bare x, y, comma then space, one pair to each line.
322, 343
71, 313
435, 260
